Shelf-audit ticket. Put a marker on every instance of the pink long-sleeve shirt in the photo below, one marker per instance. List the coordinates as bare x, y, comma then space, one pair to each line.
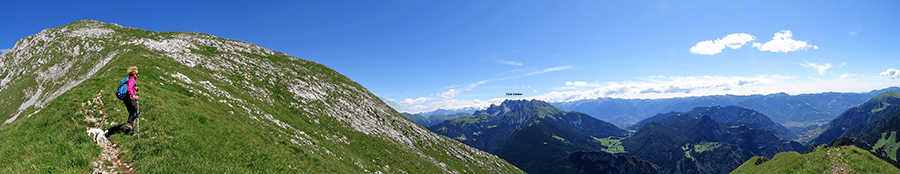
131, 87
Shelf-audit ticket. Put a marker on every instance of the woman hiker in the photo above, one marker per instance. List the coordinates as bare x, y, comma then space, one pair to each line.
130, 101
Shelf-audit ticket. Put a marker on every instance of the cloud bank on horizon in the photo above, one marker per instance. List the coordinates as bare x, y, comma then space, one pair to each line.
678, 86
669, 87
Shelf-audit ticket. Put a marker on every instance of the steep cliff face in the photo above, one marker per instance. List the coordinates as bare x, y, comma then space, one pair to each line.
201, 90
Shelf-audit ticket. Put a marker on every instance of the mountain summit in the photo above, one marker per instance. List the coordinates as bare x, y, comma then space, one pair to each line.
539, 138
208, 104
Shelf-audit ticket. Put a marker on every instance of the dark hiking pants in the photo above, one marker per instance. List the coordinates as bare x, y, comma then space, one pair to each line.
131, 105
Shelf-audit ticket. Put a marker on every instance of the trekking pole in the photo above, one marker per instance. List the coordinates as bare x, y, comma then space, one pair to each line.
137, 123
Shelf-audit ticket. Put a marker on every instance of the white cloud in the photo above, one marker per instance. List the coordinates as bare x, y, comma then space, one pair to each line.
733, 41
3, 50
707, 48
450, 94
782, 42
669, 87
891, 73
576, 83
495, 56
819, 67
558, 68
473, 85
413, 101
514, 63
419, 105
847, 76
658, 86
565, 88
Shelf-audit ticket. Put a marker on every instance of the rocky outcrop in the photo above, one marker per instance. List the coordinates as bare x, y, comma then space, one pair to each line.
270, 89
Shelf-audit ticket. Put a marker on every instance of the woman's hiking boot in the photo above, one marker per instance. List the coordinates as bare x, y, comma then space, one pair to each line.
129, 127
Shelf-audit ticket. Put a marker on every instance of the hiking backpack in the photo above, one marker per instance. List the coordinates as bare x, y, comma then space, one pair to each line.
122, 91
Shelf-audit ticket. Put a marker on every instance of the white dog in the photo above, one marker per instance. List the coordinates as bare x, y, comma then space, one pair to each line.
99, 135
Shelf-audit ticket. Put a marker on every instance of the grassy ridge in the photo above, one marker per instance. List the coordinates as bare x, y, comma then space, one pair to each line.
187, 130
50, 141
849, 158
180, 133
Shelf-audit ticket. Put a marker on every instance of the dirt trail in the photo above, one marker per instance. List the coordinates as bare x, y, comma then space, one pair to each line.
108, 162
838, 164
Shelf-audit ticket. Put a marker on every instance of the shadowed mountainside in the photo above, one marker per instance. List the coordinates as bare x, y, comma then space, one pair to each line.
687, 143
854, 121
539, 138
780, 107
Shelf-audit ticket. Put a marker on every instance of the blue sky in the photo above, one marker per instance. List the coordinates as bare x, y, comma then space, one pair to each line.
425, 55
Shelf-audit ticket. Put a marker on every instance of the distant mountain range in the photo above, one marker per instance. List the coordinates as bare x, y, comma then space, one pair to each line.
431, 120
854, 121
873, 126
426, 119
863, 139
539, 138
729, 116
780, 107
706, 140
468, 111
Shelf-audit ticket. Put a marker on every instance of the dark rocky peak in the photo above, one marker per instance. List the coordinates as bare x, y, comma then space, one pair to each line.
513, 105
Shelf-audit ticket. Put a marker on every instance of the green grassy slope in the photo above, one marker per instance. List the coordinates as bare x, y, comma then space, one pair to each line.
852, 123
234, 111
888, 144
844, 159
882, 138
